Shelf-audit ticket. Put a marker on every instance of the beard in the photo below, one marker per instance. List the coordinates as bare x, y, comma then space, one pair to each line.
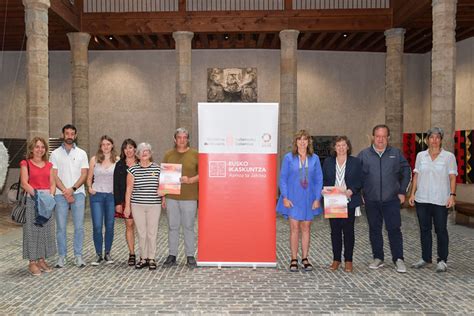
69, 141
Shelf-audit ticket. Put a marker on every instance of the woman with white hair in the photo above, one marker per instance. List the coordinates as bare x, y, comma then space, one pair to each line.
143, 200
434, 192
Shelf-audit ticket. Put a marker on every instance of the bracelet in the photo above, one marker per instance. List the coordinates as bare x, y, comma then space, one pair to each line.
453, 194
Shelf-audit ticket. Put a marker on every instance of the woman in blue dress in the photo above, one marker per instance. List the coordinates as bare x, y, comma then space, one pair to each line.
301, 181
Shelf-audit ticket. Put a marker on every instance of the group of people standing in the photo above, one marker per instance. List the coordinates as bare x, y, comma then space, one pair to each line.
378, 177
124, 186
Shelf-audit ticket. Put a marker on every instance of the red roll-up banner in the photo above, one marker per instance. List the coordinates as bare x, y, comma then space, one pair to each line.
237, 184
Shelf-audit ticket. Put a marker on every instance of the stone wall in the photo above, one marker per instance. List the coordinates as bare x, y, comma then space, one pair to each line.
132, 94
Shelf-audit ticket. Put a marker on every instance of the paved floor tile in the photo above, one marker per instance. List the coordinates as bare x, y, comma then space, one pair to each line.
119, 289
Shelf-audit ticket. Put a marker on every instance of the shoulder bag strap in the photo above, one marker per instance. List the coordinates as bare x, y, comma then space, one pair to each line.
19, 180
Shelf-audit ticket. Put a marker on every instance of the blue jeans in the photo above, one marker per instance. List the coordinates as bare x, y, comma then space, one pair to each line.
429, 214
77, 210
377, 213
103, 212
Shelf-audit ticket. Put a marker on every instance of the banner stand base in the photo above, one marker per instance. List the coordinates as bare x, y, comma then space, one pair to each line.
219, 264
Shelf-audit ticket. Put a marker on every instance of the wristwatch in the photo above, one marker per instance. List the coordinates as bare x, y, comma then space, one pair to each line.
453, 194
74, 189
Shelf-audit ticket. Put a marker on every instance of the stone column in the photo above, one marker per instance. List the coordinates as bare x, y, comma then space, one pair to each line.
184, 117
443, 69
394, 39
37, 81
79, 43
288, 85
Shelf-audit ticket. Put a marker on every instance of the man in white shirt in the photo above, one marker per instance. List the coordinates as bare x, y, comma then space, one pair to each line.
70, 166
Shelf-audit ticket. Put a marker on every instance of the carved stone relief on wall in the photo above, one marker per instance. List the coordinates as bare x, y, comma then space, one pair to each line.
232, 84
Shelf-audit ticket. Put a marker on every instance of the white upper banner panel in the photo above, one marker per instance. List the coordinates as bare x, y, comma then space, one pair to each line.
244, 128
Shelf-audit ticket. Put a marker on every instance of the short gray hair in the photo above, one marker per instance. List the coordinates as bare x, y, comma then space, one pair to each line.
181, 130
435, 130
143, 146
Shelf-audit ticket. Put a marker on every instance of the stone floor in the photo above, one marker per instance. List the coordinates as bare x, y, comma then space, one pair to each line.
118, 289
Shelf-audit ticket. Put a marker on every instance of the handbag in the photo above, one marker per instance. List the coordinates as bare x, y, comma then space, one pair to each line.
19, 210
13, 193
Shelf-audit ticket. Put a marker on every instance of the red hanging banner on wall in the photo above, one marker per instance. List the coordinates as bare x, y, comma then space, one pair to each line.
237, 184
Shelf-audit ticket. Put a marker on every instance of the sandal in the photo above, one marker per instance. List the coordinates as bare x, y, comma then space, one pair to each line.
294, 265
132, 260
306, 265
152, 264
141, 264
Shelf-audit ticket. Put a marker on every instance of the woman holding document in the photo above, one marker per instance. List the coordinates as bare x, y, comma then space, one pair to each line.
343, 171
300, 184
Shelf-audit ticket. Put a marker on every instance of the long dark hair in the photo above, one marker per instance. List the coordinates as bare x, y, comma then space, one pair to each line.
125, 143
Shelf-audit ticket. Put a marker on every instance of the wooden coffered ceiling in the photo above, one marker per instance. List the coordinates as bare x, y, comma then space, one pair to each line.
326, 29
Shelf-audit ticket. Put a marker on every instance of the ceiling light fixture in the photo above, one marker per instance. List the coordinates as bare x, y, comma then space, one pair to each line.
344, 35
110, 37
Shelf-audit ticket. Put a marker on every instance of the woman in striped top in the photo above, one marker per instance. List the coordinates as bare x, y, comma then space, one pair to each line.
143, 200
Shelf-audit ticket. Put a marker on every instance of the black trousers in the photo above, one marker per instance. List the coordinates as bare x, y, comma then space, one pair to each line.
429, 215
343, 229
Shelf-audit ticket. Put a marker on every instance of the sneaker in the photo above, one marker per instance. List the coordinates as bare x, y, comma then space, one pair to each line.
441, 266
170, 261
80, 263
108, 259
97, 261
377, 263
419, 264
400, 266
191, 262
61, 262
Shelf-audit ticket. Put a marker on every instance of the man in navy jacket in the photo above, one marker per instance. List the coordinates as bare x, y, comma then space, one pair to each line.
386, 175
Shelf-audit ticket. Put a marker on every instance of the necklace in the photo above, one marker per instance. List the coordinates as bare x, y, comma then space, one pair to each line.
303, 171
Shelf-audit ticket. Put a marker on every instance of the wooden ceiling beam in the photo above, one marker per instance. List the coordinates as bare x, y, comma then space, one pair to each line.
220, 40
261, 40
122, 41
422, 38
67, 12
275, 41
135, 41
361, 40
465, 3
239, 21
107, 41
423, 47
464, 32
148, 40
318, 40
204, 40
163, 41
345, 41
409, 10
376, 40
333, 40
413, 34
304, 39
